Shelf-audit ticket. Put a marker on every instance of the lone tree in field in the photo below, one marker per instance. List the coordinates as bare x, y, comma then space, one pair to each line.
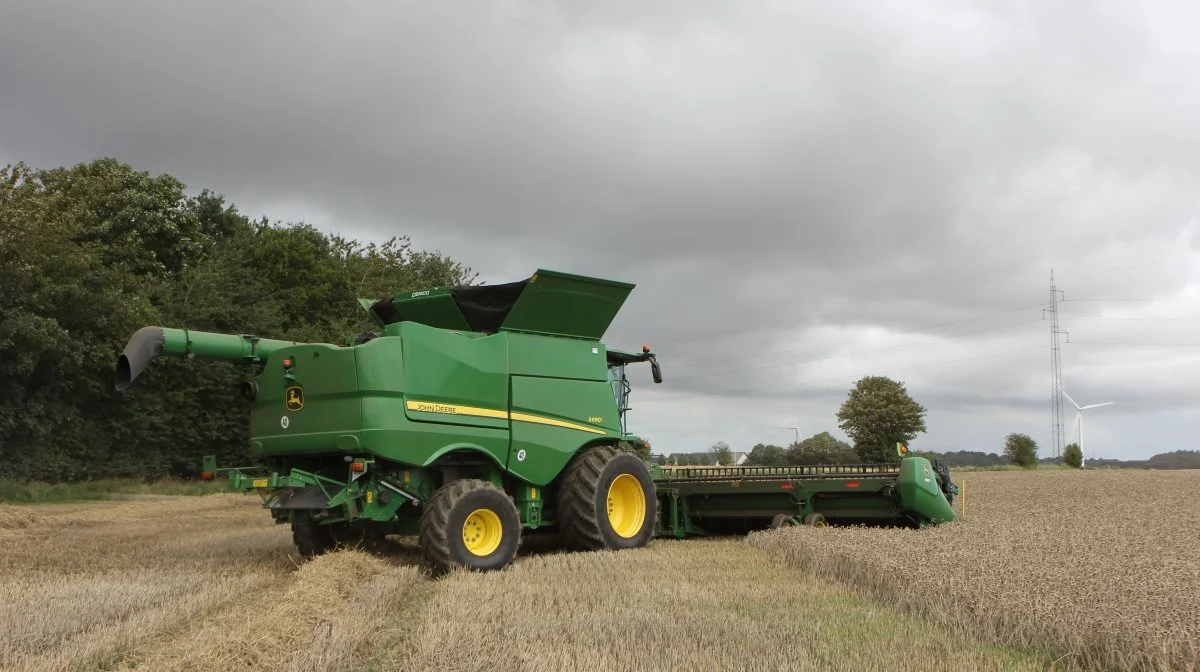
1021, 449
1072, 456
877, 414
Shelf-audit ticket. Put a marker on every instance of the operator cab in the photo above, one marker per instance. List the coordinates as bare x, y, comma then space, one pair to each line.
617, 362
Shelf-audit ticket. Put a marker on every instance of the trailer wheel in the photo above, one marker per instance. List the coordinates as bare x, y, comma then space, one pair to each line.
311, 538
782, 520
816, 520
469, 523
607, 501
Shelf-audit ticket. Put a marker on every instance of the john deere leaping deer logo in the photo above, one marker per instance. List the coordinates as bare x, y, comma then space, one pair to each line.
294, 398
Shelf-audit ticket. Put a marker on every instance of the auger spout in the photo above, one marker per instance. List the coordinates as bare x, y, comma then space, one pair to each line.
150, 342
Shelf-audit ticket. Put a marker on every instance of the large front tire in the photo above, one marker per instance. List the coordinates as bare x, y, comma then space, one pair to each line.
607, 501
469, 523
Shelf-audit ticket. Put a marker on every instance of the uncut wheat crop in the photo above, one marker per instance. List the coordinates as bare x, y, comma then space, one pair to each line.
1099, 569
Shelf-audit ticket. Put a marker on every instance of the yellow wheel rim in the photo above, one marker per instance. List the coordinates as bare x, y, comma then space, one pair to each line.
482, 532
626, 505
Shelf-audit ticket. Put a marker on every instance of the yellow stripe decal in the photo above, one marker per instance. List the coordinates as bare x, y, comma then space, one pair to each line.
455, 409
525, 417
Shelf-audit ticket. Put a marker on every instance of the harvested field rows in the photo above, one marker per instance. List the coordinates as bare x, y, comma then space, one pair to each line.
1101, 566
208, 583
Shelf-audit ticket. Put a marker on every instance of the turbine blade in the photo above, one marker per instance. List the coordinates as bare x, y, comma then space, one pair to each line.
1096, 405
1070, 399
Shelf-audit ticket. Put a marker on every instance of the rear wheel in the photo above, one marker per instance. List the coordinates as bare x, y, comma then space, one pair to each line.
311, 538
360, 535
469, 523
607, 500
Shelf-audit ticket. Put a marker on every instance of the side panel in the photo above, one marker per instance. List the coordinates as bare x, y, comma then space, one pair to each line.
455, 379
387, 430
327, 385
531, 355
552, 418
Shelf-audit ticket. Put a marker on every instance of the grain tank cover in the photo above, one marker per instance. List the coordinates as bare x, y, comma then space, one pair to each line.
549, 302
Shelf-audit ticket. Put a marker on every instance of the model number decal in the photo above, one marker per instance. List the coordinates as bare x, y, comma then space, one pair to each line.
595, 419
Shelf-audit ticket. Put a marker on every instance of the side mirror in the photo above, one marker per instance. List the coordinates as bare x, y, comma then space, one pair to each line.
655, 371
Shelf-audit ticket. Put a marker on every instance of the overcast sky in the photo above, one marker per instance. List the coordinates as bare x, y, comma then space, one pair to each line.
805, 193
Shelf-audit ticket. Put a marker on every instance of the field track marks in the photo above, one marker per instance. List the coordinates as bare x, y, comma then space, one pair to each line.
331, 614
92, 583
678, 605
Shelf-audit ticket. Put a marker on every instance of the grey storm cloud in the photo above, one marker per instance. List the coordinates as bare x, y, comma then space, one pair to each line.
785, 181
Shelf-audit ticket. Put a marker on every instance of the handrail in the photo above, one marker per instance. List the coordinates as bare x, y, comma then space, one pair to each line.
668, 472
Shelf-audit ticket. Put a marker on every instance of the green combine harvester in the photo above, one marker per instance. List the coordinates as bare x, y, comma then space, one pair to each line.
479, 414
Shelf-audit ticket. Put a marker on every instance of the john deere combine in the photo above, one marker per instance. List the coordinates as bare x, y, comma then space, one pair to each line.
478, 414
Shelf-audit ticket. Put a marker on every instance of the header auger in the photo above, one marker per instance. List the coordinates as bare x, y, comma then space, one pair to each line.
478, 414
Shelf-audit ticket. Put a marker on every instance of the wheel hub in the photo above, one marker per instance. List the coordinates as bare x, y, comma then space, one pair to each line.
482, 532
626, 505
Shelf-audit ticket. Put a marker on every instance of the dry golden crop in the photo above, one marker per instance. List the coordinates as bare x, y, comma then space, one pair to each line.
209, 583
13, 517
1098, 568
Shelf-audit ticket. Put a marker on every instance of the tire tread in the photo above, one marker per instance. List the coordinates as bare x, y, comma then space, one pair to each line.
580, 525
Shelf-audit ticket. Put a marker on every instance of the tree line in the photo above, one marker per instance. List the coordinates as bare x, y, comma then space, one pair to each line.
879, 413
90, 253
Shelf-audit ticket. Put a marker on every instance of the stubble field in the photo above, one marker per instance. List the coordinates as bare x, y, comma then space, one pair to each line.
1089, 567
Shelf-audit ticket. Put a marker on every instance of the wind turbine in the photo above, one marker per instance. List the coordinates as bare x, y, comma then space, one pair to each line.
1079, 422
796, 430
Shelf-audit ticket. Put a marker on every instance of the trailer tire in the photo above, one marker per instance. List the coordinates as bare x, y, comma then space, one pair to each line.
816, 520
311, 538
782, 520
607, 501
469, 523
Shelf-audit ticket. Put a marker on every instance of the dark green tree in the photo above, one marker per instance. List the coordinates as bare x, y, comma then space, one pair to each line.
1021, 449
821, 448
92, 252
763, 455
876, 415
1072, 456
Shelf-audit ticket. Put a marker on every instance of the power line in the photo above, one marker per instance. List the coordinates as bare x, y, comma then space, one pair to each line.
1133, 300
843, 377
1136, 345
860, 352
